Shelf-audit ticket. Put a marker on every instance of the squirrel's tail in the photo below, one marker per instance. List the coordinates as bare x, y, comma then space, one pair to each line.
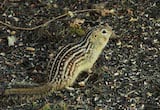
46, 88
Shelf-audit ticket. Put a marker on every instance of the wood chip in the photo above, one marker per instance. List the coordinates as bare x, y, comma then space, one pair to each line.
30, 49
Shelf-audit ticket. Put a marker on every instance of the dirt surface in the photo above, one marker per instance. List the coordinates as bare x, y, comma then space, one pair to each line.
125, 77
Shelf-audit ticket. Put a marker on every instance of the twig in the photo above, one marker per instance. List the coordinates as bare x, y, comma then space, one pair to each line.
46, 23
1, 6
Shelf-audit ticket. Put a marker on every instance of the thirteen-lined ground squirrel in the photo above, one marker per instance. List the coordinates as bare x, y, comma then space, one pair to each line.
69, 63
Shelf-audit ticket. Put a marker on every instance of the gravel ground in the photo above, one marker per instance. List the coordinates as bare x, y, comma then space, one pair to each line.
125, 77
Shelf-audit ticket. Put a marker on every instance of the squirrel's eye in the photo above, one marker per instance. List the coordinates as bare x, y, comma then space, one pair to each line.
104, 31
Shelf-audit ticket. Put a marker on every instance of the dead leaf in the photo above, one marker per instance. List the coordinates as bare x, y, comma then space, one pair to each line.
105, 12
130, 12
30, 49
133, 19
77, 22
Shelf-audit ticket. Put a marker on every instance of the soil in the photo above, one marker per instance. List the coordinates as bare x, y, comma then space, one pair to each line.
126, 75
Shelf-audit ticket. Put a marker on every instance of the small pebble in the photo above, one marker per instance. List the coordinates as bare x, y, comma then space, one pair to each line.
2, 54
82, 83
13, 32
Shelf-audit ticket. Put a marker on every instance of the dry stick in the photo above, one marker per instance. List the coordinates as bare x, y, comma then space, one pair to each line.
46, 23
1, 6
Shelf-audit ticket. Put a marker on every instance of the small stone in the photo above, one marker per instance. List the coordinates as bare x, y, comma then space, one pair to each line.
78, 99
149, 94
119, 43
96, 98
133, 107
107, 57
10, 16
16, 19
20, 44
156, 41
4, 14
13, 32
82, 83
2, 54
55, 5
116, 74
133, 19
11, 40
145, 83
70, 14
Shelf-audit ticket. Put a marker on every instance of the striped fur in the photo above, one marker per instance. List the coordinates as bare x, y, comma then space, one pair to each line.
71, 60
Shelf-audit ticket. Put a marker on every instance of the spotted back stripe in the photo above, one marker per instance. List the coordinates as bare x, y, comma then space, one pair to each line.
81, 54
59, 64
51, 68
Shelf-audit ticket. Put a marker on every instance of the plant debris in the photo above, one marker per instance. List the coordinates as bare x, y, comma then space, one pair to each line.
126, 75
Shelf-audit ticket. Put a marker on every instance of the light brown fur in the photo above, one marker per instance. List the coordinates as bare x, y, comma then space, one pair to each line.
98, 38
